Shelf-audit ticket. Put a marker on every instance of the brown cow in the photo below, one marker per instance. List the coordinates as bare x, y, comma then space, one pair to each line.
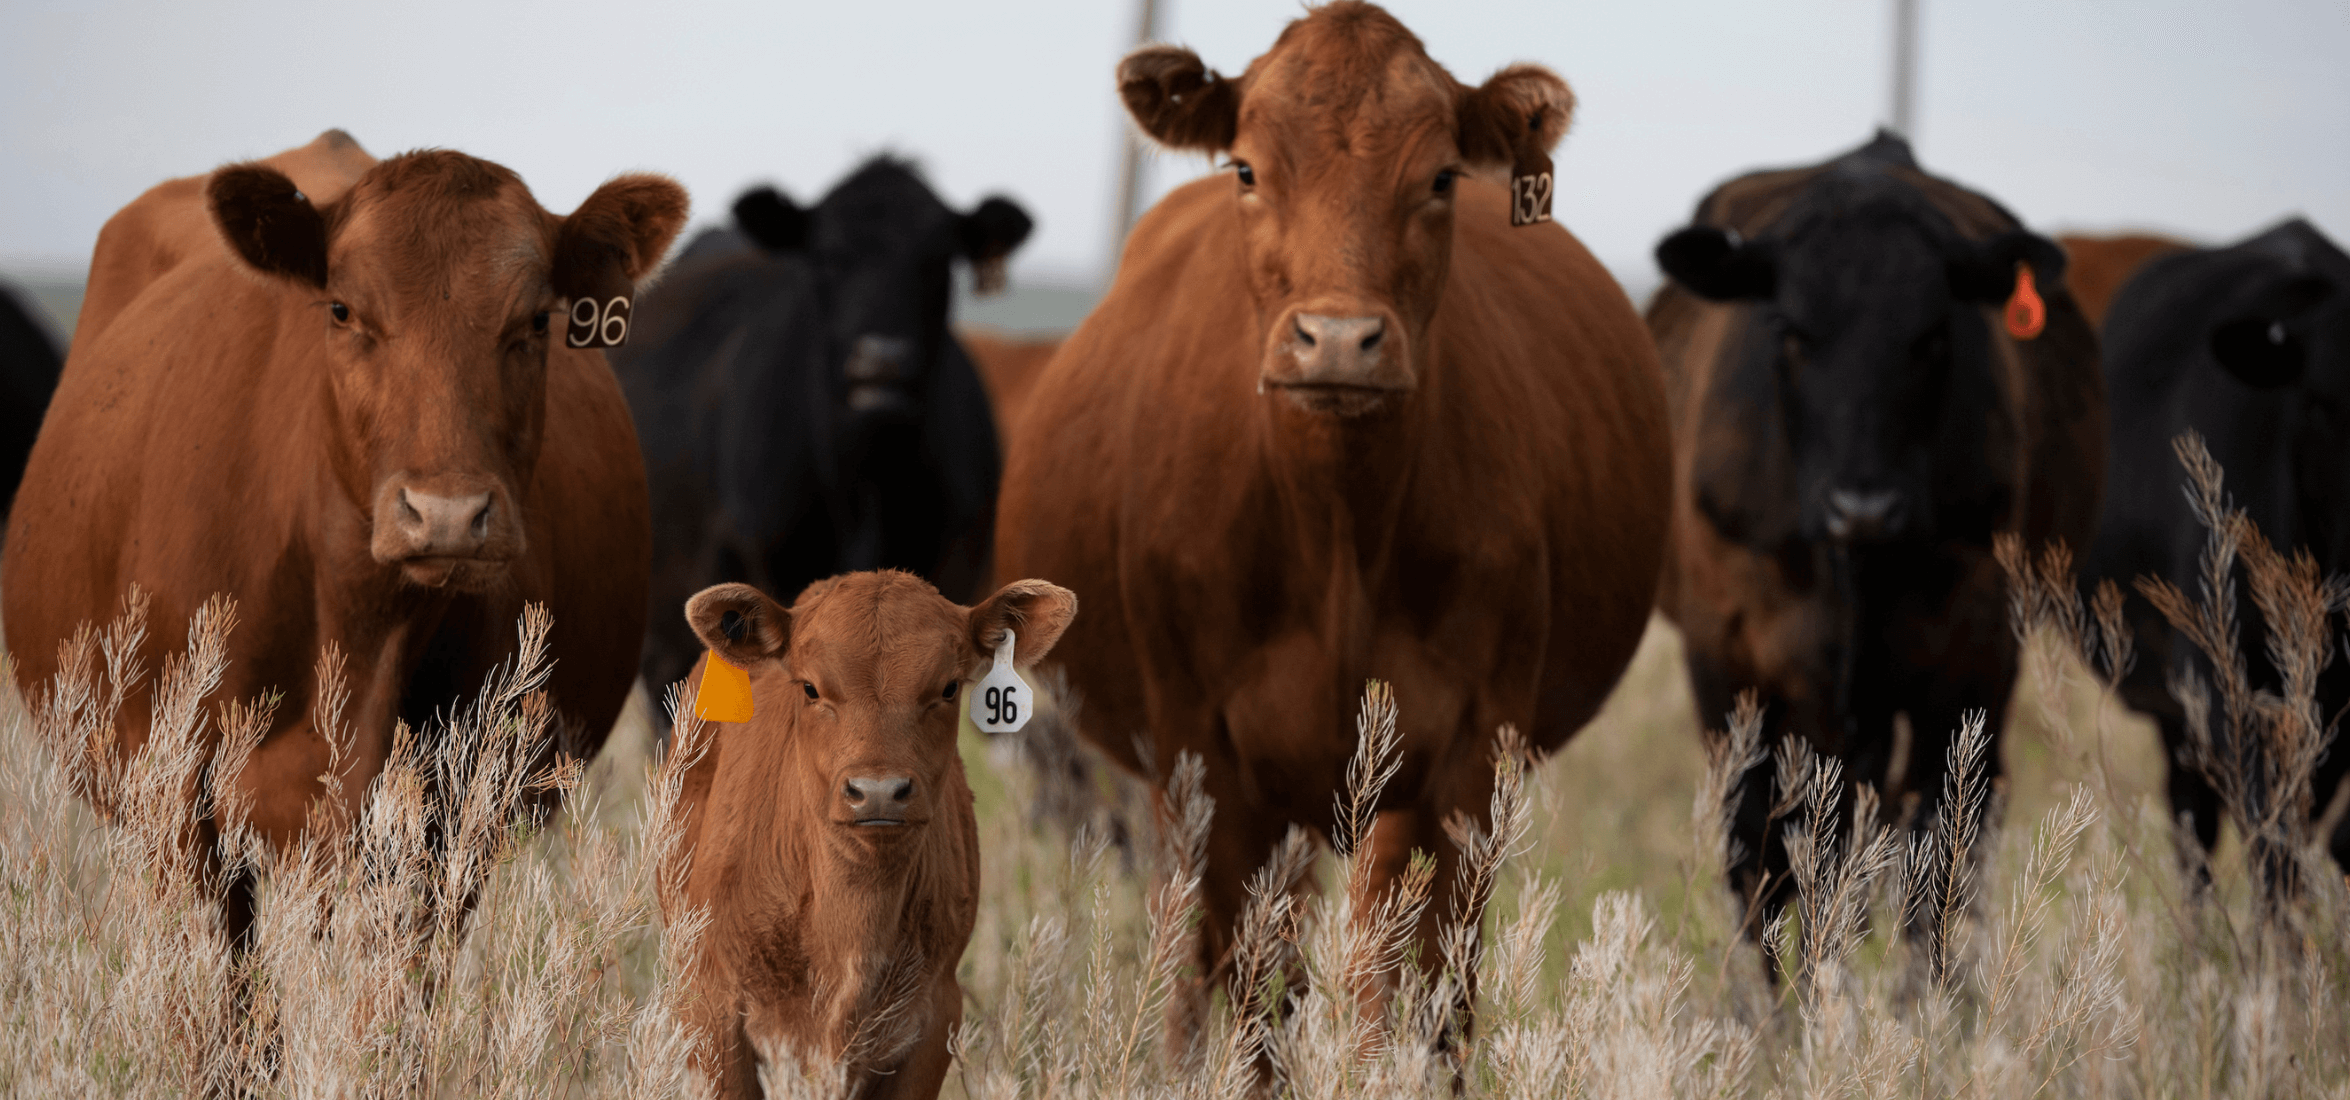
2096, 267
830, 837
1338, 419
338, 399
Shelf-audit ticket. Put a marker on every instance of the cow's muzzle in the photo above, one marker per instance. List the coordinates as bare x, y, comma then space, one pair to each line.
1855, 515
878, 801
1342, 366
445, 531
880, 373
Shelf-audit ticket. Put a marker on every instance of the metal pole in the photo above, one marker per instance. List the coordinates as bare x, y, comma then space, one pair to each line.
1130, 171
1905, 67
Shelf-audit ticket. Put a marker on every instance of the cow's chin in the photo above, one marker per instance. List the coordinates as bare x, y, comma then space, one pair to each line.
1341, 401
454, 574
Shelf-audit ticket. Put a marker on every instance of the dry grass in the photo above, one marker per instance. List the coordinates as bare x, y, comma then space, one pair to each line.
2064, 954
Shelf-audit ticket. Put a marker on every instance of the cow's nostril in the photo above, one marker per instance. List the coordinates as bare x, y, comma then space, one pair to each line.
905, 791
481, 520
1303, 336
854, 793
408, 512
1372, 341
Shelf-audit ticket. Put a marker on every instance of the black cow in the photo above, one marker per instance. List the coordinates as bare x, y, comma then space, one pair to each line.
2248, 345
29, 364
1853, 424
802, 407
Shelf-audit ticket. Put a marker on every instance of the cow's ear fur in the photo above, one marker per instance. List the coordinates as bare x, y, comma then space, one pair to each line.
769, 217
738, 622
618, 235
1036, 611
994, 229
2260, 347
1178, 100
269, 222
1718, 264
1987, 273
1523, 109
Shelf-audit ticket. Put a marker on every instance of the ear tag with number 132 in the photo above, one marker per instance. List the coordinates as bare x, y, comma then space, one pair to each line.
1003, 702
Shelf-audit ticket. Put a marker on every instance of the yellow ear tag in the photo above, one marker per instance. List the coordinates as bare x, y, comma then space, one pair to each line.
726, 692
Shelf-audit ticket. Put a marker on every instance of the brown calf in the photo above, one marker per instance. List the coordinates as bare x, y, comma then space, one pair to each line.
830, 837
2097, 267
338, 390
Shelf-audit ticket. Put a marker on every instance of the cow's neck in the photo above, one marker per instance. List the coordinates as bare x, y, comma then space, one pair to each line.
1341, 486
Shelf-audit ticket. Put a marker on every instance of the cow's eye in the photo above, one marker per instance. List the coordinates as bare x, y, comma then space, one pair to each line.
1444, 182
1248, 175
949, 693
810, 689
342, 313
538, 322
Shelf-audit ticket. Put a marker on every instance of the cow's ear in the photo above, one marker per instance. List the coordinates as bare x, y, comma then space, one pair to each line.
738, 622
989, 234
1037, 613
1718, 264
1178, 101
269, 222
2262, 347
1521, 112
769, 217
618, 235
1986, 273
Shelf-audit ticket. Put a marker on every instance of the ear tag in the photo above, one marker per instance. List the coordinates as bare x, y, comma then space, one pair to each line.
1003, 702
725, 695
2026, 313
1530, 187
599, 323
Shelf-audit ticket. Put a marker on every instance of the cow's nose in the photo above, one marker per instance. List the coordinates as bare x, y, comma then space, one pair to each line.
444, 526
878, 800
1859, 515
1337, 350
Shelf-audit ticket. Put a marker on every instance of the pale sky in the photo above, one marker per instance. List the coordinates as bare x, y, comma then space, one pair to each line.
2207, 119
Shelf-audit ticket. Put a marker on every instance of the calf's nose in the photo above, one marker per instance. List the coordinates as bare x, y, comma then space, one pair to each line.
1857, 515
878, 799
434, 525
1337, 350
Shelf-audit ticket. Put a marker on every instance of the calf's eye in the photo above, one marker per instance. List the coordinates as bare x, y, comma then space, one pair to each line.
949, 693
342, 312
538, 322
1444, 182
1248, 175
810, 689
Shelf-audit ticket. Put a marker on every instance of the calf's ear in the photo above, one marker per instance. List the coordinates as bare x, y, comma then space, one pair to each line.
1178, 100
1718, 264
1519, 114
1987, 273
269, 222
1035, 611
738, 622
618, 235
769, 217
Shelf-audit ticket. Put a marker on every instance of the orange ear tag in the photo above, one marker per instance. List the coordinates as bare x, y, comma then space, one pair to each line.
726, 692
2026, 313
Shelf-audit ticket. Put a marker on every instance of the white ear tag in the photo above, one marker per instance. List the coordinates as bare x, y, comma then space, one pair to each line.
1003, 702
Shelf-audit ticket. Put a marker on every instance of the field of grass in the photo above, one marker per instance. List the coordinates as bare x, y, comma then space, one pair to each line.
1608, 965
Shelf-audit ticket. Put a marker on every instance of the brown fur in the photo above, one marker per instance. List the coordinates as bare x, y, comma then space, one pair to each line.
1483, 531
1009, 367
837, 942
218, 431
2098, 266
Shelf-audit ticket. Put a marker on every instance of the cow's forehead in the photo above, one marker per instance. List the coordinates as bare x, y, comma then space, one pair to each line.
1360, 87
883, 206
884, 632
454, 224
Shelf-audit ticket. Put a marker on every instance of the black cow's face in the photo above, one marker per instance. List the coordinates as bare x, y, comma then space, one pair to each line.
883, 247
1866, 361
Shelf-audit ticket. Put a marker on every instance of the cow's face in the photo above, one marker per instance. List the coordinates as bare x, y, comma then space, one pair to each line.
1347, 147
877, 664
884, 247
1860, 399
440, 286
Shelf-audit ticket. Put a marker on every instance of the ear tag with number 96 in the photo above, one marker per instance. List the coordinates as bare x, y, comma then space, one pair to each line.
1003, 702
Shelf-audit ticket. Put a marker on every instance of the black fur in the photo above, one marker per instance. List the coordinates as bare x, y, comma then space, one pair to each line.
2249, 346
29, 366
269, 222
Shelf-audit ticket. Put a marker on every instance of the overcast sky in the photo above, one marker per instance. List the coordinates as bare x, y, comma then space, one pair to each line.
2207, 119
